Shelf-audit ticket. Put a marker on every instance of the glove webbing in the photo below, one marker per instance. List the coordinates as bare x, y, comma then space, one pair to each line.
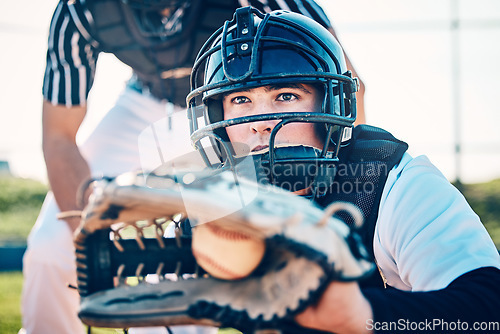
105, 258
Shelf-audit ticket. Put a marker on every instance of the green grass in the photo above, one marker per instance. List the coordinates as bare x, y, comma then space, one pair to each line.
484, 198
10, 301
10, 307
20, 202
21, 199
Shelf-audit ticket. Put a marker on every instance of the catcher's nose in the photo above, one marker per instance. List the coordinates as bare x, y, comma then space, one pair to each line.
263, 127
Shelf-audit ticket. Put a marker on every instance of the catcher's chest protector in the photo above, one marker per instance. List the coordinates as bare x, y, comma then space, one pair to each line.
361, 175
162, 65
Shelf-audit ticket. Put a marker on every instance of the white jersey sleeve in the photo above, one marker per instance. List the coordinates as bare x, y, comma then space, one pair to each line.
426, 233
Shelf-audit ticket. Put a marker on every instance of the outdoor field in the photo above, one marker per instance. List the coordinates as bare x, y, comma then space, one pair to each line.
21, 199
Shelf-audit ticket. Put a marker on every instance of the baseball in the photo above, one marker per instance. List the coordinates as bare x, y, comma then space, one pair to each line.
225, 253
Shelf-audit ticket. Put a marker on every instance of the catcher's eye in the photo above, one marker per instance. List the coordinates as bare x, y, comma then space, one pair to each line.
285, 97
240, 100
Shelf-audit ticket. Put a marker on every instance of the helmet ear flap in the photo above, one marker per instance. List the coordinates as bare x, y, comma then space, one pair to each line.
215, 115
215, 112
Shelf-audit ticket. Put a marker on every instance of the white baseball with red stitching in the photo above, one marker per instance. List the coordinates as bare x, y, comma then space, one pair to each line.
224, 253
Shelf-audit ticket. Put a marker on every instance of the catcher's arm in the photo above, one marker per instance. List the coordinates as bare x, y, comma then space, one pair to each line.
305, 250
342, 308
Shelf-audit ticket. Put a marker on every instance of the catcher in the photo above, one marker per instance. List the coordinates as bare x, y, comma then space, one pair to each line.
274, 88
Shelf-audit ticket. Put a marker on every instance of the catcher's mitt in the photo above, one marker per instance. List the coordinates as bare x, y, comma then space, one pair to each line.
122, 239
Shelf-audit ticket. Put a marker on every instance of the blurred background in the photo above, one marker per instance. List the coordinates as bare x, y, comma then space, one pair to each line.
432, 75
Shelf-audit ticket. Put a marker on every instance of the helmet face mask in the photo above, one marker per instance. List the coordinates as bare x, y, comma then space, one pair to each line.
255, 50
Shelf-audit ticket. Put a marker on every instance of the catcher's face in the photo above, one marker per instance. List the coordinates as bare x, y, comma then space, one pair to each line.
268, 100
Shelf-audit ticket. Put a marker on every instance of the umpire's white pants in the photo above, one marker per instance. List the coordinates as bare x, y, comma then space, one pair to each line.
121, 142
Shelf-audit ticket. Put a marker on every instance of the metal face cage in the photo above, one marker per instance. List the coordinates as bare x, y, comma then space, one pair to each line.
255, 50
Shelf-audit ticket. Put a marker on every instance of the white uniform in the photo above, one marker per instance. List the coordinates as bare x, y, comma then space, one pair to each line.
417, 194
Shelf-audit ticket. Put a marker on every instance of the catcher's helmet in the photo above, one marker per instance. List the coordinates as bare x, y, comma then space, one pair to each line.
256, 50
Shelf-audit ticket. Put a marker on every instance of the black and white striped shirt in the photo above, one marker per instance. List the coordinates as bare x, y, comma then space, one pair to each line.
72, 51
